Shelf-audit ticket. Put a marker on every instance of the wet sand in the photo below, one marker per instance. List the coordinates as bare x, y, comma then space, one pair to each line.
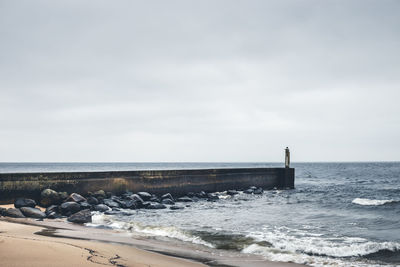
29, 242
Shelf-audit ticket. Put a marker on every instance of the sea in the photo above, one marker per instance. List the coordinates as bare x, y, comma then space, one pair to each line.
339, 214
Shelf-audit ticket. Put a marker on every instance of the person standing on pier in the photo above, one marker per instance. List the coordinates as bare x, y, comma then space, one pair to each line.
287, 157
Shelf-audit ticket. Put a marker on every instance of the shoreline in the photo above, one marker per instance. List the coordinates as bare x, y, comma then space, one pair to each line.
105, 247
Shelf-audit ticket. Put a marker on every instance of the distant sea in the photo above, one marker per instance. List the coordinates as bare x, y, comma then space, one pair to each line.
339, 214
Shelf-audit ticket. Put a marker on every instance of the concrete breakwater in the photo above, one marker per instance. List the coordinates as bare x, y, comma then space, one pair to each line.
177, 182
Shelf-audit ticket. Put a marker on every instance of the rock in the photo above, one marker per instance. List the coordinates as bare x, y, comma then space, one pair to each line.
167, 196
83, 216
2, 210
99, 193
195, 199
84, 205
212, 197
248, 191
49, 197
232, 192
191, 194
126, 194
33, 212
108, 194
15, 213
258, 191
176, 208
92, 201
137, 198
145, 205
167, 201
101, 207
156, 206
120, 202
201, 194
52, 208
154, 199
76, 198
184, 199
112, 212
253, 188
24, 202
63, 195
68, 208
130, 204
111, 203
144, 195
53, 215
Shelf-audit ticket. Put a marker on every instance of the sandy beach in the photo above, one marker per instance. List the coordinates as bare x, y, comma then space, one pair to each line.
20, 246
29, 242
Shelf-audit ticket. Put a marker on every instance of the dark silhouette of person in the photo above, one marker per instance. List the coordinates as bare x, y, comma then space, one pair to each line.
287, 157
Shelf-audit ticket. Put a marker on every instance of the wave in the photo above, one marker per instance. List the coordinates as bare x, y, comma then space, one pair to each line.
315, 261
305, 247
276, 244
147, 230
372, 202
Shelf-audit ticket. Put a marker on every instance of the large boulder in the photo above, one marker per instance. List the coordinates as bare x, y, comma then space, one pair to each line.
232, 192
24, 202
52, 208
111, 203
154, 199
83, 216
15, 213
92, 201
248, 191
155, 206
68, 208
99, 193
84, 205
167, 201
53, 215
63, 196
76, 198
33, 212
131, 204
212, 197
184, 199
137, 198
167, 196
101, 207
176, 208
144, 195
258, 191
49, 197
201, 194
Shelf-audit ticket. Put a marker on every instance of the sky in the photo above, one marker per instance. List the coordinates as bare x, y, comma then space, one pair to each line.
140, 81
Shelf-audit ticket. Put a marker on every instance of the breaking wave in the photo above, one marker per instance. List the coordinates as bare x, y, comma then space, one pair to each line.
99, 219
319, 250
372, 202
278, 244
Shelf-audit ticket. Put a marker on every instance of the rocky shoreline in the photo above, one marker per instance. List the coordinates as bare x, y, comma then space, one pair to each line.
77, 208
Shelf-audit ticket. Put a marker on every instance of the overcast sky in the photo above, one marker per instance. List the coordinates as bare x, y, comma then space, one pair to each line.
199, 80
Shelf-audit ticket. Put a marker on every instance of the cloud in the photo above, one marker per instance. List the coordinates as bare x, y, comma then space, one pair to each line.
199, 81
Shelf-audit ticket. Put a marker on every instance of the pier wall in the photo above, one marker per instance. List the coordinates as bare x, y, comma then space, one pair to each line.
177, 182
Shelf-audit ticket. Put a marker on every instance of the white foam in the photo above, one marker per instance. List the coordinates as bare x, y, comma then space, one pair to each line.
273, 254
296, 246
371, 202
147, 230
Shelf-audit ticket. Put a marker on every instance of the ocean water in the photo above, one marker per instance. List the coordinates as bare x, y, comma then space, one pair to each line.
339, 214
